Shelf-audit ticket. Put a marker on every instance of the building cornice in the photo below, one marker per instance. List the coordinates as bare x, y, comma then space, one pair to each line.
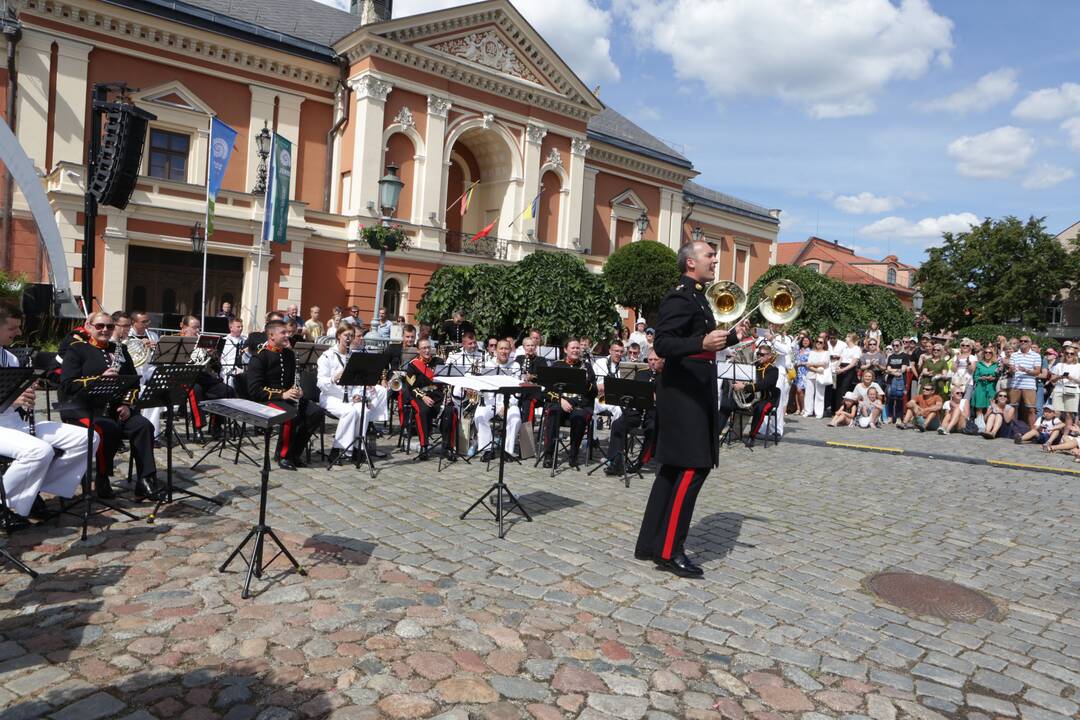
210, 45
603, 153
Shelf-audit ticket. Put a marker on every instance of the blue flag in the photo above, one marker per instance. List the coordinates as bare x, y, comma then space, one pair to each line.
222, 138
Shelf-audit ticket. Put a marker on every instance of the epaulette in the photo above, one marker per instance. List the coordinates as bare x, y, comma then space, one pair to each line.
76, 338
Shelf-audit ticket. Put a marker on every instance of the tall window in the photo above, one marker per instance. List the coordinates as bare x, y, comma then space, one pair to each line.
812, 267
1054, 314
891, 276
169, 155
392, 298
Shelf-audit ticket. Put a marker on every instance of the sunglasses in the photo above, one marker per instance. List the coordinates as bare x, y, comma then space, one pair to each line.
103, 326
1002, 396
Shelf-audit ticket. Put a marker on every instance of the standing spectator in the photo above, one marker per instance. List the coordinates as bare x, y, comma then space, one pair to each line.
984, 380
1066, 378
650, 338
638, 336
848, 368
873, 333
384, 325
896, 370
874, 360
313, 328
1044, 388
999, 416
333, 322
934, 368
354, 317
624, 335
956, 412
925, 412
1024, 366
226, 310
802, 355
818, 380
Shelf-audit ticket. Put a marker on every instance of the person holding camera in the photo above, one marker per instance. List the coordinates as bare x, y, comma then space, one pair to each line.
1065, 375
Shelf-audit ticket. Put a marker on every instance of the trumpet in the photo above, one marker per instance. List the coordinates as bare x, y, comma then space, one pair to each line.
397, 380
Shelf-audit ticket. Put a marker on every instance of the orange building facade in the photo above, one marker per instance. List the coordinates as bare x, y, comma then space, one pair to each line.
834, 260
455, 97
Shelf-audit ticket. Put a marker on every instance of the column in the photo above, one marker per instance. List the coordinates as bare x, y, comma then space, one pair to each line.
288, 126
114, 266
578, 150
69, 122
433, 198
371, 94
262, 110
669, 231
588, 203
32, 122
534, 139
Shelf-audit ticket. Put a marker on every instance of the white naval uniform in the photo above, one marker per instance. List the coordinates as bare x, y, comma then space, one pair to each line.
152, 414
37, 467
337, 400
487, 411
782, 346
603, 367
232, 357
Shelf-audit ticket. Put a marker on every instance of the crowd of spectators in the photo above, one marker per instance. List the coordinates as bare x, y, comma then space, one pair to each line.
1009, 388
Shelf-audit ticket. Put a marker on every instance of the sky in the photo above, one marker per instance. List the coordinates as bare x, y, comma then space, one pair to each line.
876, 123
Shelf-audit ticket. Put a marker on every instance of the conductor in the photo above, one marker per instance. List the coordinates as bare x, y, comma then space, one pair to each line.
687, 444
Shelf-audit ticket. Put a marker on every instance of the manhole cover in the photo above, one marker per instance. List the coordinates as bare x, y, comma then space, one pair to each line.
925, 595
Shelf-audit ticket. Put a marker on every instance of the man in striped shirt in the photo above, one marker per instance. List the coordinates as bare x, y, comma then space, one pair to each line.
1023, 366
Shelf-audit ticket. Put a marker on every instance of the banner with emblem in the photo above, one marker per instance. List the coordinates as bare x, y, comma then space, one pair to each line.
276, 220
222, 138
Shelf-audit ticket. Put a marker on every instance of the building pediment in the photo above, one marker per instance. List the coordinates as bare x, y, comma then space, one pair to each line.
488, 48
174, 95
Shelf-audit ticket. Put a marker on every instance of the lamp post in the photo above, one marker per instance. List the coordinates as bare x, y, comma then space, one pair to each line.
697, 234
262, 146
390, 186
642, 223
198, 238
917, 305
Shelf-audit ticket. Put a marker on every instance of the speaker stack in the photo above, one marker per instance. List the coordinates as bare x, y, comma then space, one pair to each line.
118, 161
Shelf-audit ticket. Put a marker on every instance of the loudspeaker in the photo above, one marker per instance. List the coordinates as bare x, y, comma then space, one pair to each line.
120, 156
38, 299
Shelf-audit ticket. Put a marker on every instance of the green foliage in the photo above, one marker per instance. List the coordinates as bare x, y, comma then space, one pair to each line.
989, 334
835, 304
388, 237
552, 291
1001, 271
12, 287
640, 274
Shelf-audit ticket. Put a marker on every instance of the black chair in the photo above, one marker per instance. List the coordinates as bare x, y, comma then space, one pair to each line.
6, 521
562, 441
309, 384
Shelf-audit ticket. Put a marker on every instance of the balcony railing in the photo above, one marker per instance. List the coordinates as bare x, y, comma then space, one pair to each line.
488, 246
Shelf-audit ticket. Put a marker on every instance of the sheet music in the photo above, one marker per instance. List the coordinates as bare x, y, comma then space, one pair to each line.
735, 371
247, 406
480, 383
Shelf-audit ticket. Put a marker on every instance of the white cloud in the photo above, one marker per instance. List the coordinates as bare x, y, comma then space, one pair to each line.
866, 203
1046, 175
1049, 103
829, 57
898, 228
1072, 127
995, 154
989, 90
577, 29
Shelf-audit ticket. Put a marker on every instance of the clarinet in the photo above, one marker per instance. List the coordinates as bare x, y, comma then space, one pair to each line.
28, 416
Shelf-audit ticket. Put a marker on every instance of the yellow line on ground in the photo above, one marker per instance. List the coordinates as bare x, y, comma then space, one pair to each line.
1025, 466
897, 451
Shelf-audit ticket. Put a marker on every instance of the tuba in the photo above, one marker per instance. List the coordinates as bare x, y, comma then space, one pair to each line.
743, 354
727, 302
781, 302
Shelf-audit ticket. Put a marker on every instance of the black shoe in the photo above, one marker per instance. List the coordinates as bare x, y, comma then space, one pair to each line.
638, 555
488, 456
680, 565
509, 457
146, 488
574, 458
613, 470
359, 457
286, 464
749, 443
548, 461
103, 489
298, 462
449, 455
423, 455
13, 521
335, 455
595, 444
40, 511
634, 466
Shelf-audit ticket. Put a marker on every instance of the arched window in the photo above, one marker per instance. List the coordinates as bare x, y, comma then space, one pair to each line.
813, 267
391, 298
891, 276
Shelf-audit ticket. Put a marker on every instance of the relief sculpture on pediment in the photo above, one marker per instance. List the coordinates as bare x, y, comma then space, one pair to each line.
488, 49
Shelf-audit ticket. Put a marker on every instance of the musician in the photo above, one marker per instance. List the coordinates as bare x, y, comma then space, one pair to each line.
535, 336
470, 359
766, 388
491, 404
208, 385
783, 346
346, 403
87, 360
605, 368
687, 443
529, 360
230, 351
454, 330
634, 418
575, 406
271, 379
427, 400
36, 465
491, 348
258, 338
633, 352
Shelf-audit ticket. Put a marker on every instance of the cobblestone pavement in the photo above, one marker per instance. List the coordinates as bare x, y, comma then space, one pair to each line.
410, 612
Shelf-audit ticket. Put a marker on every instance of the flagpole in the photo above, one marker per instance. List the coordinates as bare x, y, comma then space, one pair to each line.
262, 235
206, 221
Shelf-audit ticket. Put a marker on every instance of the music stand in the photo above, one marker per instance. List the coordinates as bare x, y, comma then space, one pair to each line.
215, 325
164, 389
13, 383
448, 369
630, 395
267, 418
500, 485
562, 381
628, 370
362, 370
174, 349
307, 353
733, 372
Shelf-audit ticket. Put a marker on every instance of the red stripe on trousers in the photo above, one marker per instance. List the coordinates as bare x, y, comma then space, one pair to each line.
286, 433
676, 508
99, 456
196, 416
646, 456
764, 413
532, 409
453, 430
401, 409
419, 424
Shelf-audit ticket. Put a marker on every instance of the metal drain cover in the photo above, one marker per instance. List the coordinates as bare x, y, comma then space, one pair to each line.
926, 595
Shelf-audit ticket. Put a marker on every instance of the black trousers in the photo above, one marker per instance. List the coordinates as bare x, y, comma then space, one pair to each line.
669, 511
760, 409
629, 420
425, 418
579, 419
295, 434
844, 381
206, 391
139, 433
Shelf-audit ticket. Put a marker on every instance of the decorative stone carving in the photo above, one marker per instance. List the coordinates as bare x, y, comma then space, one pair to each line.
578, 146
488, 49
372, 87
554, 158
535, 133
438, 106
405, 118
489, 120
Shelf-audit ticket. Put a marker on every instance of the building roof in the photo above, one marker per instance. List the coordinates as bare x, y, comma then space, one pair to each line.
843, 262
722, 201
611, 127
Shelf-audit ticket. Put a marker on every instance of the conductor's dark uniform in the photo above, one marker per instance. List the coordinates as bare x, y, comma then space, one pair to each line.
687, 443
270, 373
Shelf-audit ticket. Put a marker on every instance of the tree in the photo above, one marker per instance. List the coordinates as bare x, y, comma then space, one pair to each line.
1002, 271
836, 304
640, 274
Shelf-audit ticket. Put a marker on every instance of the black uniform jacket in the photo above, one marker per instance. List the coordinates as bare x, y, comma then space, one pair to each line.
576, 399
765, 383
686, 398
421, 379
270, 373
83, 362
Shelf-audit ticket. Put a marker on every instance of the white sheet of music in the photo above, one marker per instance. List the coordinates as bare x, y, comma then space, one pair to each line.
480, 382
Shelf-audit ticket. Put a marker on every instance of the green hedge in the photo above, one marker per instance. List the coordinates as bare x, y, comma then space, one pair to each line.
641, 274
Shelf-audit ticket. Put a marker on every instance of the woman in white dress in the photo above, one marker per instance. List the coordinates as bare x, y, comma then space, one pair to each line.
347, 403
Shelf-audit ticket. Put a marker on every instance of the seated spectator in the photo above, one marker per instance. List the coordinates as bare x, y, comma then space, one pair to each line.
1061, 442
849, 408
866, 384
924, 413
955, 411
870, 408
999, 416
1047, 429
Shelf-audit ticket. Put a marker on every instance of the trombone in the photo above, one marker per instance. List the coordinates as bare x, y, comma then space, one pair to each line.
781, 302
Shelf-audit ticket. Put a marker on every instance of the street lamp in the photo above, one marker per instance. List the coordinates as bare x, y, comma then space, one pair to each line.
390, 186
262, 146
697, 234
642, 223
198, 238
